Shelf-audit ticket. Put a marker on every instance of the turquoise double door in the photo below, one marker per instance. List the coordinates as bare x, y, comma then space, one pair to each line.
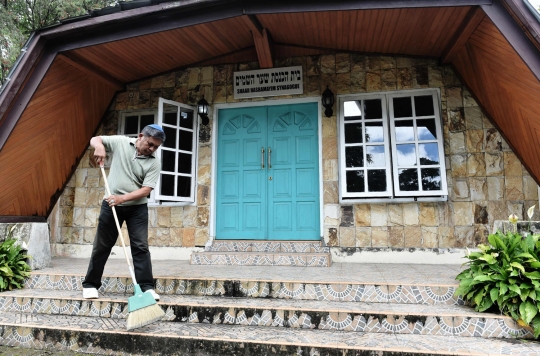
268, 173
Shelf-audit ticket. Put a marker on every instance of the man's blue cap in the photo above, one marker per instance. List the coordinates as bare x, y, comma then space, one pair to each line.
157, 127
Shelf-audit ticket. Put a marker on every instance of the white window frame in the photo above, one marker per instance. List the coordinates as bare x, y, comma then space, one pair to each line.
195, 144
343, 145
155, 198
393, 194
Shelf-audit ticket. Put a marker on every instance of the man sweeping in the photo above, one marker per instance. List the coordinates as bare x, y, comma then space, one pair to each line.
133, 174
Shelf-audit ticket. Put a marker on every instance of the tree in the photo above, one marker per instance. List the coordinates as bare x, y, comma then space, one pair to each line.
19, 18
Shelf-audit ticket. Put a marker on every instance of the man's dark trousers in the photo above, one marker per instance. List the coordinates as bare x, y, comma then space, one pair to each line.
136, 218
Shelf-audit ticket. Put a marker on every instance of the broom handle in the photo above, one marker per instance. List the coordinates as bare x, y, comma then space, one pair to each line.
118, 226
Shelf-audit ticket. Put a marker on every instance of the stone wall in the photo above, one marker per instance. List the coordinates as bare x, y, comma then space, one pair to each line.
486, 181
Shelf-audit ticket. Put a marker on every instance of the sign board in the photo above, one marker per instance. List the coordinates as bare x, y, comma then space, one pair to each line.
268, 82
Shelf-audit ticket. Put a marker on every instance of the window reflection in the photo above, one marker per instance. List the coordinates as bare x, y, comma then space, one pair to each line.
374, 132
375, 156
353, 133
406, 155
431, 178
372, 109
429, 153
403, 107
408, 179
404, 130
376, 180
351, 110
426, 129
423, 105
355, 181
354, 156
131, 126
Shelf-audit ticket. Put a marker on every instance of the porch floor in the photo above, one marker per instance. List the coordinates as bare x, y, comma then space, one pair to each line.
368, 273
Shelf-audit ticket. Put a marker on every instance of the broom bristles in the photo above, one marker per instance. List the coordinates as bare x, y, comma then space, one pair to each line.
144, 316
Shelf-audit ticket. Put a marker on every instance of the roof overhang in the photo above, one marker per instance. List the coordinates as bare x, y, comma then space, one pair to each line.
62, 86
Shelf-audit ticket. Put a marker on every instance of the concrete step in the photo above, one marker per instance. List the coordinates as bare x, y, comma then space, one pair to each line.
389, 318
308, 259
264, 253
267, 246
106, 336
279, 286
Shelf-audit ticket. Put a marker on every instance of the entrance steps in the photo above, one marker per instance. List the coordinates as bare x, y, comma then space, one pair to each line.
264, 253
346, 309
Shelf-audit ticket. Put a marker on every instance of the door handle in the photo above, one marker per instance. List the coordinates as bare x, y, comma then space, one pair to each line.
262, 157
269, 157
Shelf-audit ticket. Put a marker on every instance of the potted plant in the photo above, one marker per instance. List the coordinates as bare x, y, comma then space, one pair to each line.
13, 267
505, 275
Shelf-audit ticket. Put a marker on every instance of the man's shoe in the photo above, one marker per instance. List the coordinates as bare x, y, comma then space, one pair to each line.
90, 293
154, 294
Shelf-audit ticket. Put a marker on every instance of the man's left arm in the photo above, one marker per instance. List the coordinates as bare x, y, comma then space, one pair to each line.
114, 200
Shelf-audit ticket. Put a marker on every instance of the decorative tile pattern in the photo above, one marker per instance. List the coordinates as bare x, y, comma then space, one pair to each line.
17, 330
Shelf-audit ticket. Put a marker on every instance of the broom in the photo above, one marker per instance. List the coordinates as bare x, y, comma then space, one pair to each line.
142, 307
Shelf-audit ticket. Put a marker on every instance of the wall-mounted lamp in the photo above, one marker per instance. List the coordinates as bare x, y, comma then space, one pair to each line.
202, 110
328, 101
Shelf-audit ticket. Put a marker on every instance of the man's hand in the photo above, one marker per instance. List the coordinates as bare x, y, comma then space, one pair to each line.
114, 200
99, 150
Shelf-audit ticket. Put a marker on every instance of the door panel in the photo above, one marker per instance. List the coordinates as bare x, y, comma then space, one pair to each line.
293, 193
281, 200
241, 183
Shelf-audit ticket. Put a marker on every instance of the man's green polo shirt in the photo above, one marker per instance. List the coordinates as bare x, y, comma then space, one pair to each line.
130, 172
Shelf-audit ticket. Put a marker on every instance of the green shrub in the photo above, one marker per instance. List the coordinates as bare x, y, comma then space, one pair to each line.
505, 274
13, 267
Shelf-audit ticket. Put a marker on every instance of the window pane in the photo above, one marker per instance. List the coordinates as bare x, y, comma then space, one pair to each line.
372, 109
426, 129
406, 155
184, 186
402, 107
431, 179
353, 133
404, 130
429, 153
375, 156
354, 156
170, 118
185, 142
351, 110
184, 163
146, 120
374, 132
167, 184
376, 180
168, 160
355, 182
424, 105
186, 119
132, 125
170, 137
408, 179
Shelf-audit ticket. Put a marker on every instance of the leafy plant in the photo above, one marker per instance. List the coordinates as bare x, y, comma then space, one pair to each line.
505, 274
13, 267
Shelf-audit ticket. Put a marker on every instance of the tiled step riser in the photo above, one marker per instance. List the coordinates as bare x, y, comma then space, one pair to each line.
340, 321
95, 342
255, 289
272, 246
261, 259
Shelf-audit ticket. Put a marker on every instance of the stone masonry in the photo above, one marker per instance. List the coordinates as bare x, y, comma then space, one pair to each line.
486, 181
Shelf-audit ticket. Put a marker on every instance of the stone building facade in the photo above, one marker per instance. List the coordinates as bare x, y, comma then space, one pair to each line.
486, 181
